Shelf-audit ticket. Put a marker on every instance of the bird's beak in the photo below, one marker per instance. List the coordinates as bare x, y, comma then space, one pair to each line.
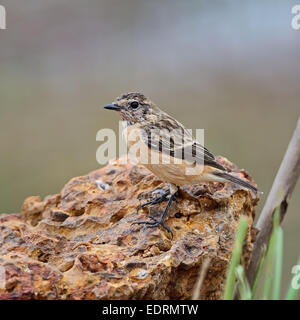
112, 107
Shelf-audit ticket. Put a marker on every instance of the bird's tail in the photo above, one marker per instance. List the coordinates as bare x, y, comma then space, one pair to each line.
229, 177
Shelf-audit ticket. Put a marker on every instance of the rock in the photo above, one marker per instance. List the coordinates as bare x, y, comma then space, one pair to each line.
81, 244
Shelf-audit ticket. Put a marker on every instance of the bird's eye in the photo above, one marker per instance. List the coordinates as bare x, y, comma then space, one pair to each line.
134, 104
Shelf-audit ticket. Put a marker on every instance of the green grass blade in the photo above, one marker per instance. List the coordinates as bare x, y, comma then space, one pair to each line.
235, 259
269, 274
258, 273
244, 288
269, 269
278, 262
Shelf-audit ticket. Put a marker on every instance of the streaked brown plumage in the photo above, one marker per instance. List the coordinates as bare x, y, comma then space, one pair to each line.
168, 140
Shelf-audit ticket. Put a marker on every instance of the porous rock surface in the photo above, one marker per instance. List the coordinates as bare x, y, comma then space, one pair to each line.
81, 244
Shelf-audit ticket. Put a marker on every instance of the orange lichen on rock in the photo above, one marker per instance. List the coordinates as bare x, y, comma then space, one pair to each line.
81, 244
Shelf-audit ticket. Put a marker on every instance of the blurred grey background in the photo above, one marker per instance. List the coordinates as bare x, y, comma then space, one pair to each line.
230, 67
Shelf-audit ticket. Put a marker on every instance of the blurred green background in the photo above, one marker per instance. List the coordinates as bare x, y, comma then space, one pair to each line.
230, 67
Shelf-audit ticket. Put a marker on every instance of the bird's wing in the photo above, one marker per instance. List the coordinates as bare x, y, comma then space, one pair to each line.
196, 153
171, 138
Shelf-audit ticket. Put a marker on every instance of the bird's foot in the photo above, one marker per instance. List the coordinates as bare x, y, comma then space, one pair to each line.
155, 223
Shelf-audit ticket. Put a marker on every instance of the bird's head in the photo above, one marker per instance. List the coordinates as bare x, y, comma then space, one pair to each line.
134, 107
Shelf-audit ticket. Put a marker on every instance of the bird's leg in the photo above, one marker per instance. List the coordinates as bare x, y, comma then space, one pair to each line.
155, 222
163, 197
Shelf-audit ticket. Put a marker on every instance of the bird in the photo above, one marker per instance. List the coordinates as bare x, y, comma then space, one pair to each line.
179, 159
